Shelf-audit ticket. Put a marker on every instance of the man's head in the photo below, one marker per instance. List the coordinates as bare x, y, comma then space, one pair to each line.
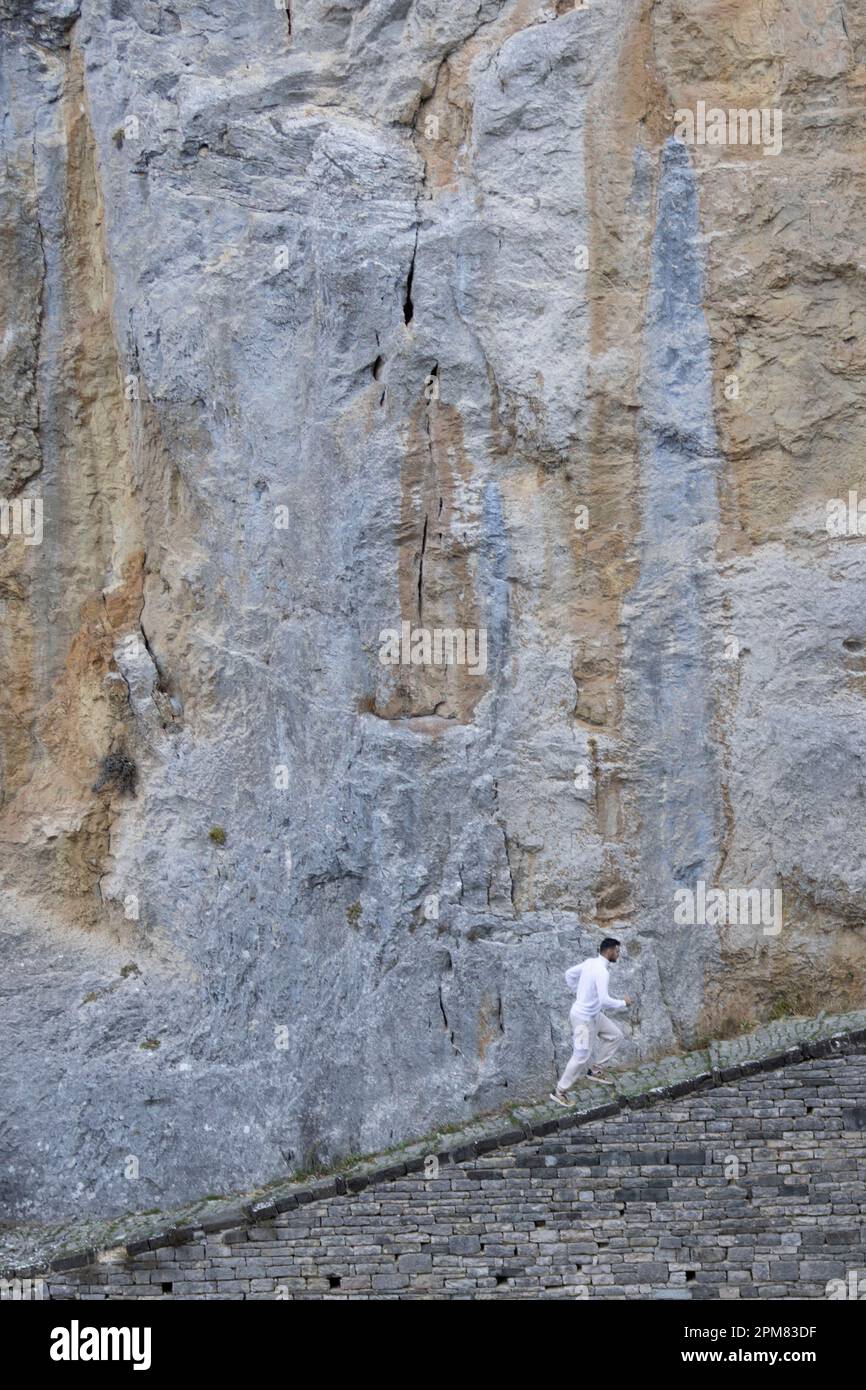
609, 948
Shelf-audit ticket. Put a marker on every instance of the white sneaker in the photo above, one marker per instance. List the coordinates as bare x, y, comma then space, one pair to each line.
561, 1098
602, 1080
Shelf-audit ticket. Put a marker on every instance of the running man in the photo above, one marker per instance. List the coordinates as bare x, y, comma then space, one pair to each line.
588, 1023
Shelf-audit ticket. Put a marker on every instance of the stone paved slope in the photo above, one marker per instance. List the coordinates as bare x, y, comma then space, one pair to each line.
755, 1189
611, 1177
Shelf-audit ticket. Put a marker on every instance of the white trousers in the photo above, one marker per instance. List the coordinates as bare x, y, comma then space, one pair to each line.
587, 1035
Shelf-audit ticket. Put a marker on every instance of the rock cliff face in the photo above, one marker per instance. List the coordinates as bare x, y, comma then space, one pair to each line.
399, 317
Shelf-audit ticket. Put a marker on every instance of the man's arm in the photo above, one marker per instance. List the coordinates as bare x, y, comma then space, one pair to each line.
604, 999
572, 976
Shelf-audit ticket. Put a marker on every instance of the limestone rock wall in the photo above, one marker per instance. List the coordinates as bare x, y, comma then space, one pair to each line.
322, 320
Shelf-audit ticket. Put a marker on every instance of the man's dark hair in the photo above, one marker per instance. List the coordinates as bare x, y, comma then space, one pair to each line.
608, 942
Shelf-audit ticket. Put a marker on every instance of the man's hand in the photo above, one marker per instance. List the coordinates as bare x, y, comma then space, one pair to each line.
627, 1000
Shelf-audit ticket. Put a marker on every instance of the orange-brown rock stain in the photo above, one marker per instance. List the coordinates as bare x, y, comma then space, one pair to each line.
444, 116
489, 1024
624, 113
786, 310
76, 710
436, 566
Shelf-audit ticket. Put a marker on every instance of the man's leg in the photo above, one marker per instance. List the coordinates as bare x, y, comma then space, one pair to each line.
583, 1040
610, 1038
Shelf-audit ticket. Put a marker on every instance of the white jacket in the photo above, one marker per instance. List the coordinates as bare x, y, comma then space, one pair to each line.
589, 982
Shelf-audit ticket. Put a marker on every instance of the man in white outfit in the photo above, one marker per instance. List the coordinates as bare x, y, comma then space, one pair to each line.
588, 1023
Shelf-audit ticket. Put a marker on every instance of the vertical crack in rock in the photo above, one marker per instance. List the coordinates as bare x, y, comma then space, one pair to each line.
408, 306
448, 1028
843, 17
421, 569
670, 612
442, 1007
